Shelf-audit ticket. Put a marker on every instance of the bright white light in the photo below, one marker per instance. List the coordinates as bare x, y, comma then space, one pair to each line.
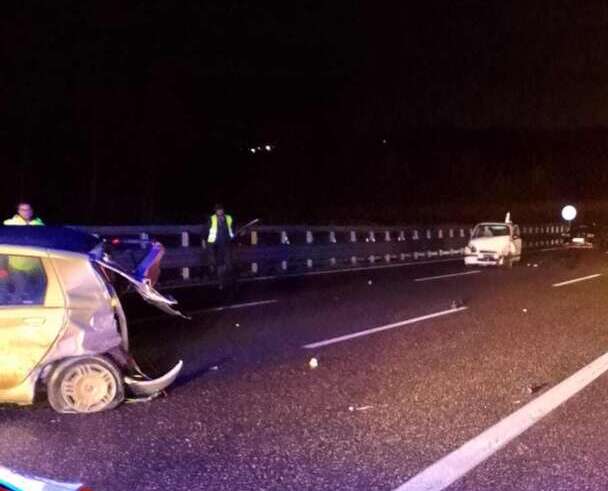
384, 140
268, 148
252, 150
569, 212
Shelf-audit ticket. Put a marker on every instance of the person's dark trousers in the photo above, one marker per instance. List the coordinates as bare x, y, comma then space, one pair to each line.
222, 258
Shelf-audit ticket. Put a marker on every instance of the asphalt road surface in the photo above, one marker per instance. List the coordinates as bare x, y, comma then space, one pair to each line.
372, 380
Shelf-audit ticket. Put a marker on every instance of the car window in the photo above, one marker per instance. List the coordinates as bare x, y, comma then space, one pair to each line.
494, 230
22, 280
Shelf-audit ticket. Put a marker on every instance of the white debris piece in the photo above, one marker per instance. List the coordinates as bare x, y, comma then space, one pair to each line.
313, 363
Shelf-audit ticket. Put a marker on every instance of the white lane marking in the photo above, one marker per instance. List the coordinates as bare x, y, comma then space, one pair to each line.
464, 273
374, 330
235, 306
317, 273
547, 249
347, 270
456, 464
212, 309
576, 280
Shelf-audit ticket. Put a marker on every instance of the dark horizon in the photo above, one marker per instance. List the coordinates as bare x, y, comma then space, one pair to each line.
147, 113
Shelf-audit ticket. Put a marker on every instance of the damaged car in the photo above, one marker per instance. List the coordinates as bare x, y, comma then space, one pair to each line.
494, 243
63, 329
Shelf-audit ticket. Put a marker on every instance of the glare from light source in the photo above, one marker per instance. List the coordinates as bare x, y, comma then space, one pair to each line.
268, 148
569, 212
252, 150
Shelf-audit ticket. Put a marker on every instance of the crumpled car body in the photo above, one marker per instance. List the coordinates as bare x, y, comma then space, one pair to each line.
493, 244
62, 325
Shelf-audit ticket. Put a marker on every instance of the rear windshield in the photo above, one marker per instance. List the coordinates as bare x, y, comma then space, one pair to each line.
490, 230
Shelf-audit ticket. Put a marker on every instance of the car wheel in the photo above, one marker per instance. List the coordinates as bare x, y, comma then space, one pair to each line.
85, 385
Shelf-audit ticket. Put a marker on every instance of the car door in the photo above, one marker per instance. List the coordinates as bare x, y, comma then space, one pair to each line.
31, 315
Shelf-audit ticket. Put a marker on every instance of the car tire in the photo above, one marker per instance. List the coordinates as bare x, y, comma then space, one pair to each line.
87, 384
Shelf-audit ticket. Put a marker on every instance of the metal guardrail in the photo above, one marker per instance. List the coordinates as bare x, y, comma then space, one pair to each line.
297, 250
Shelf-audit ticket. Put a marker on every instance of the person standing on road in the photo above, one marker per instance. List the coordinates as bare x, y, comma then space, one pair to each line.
221, 234
24, 273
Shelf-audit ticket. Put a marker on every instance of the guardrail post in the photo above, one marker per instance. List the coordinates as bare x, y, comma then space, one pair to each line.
387, 236
144, 236
387, 258
401, 237
353, 236
371, 236
332, 237
415, 235
284, 265
185, 243
284, 238
332, 261
451, 233
353, 260
309, 263
254, 268
428, 234
254, 237
440, 234
309, 237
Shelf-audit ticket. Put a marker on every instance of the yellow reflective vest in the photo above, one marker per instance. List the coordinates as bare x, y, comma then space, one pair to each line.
25, 264
213, 228
19, 220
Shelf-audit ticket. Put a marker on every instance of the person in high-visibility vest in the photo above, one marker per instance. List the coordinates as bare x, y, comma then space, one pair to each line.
24, 216
25, 273
221, 234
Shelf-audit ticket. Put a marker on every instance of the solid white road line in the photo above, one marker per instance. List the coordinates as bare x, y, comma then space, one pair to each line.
456, 464
213, 309
348, 270
359, 334
430, 278
576, 280
547, 249
235, 306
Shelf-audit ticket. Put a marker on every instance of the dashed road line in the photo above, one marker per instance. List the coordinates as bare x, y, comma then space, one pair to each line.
456, 464
374, 330
451, 275
576, 280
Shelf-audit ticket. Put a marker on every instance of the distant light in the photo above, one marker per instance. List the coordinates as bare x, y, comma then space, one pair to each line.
384, 141
268, 148
252, 150
569, 212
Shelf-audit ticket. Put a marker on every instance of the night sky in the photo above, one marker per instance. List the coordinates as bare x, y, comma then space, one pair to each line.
145, 112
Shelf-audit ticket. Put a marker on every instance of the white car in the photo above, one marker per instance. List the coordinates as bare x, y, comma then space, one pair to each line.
493, 243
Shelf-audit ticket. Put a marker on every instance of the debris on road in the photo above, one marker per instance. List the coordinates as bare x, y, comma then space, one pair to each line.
313, 363
360, 408
533, 389
456, 303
